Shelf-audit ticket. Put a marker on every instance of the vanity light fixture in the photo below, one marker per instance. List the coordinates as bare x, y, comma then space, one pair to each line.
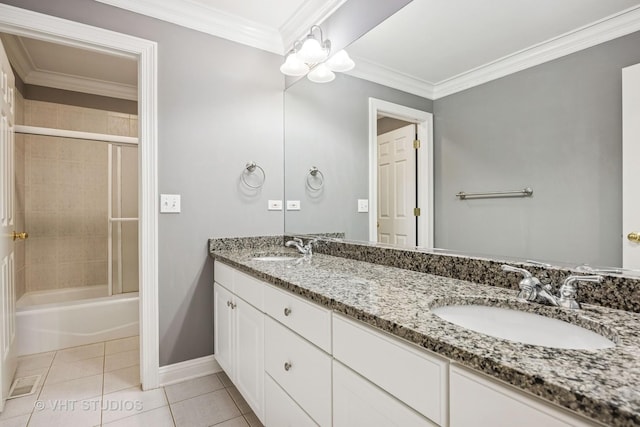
310, 57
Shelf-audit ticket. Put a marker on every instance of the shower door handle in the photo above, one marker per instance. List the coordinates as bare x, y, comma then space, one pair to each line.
20, 236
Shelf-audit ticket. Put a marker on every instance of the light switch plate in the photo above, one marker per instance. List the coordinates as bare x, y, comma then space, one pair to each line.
275, 205
363, 205
169, 203
293, 205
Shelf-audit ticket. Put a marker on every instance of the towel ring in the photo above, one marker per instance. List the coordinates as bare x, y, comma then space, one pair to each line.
315, 175
250, 169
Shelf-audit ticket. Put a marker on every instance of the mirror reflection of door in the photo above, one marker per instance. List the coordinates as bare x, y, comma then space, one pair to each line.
397, 186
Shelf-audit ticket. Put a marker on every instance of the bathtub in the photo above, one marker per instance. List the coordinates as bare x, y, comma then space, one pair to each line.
52, 320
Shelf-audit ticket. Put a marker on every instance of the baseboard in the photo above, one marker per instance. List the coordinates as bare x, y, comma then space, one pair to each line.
188, 370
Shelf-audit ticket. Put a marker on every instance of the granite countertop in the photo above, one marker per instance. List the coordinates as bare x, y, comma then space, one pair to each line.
603, 385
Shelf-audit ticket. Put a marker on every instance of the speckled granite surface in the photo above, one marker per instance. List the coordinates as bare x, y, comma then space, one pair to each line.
603, 385
616, 291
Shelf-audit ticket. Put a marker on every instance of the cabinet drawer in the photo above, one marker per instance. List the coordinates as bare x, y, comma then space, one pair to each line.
249, 289
281, 410
307, 319
478, 401
246, 287
411, 375
357, 402
223, 274
300, 368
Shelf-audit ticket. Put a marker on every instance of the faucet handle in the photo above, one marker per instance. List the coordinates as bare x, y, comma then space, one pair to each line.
529, 285
569, 290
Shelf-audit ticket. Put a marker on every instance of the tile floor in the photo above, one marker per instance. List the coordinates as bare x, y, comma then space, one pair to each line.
98, 385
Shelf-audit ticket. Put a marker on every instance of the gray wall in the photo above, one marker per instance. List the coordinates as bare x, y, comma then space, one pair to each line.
220, 106
326, 125
556, 128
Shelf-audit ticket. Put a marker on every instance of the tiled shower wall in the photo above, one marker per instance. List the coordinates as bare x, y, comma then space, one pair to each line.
65, 195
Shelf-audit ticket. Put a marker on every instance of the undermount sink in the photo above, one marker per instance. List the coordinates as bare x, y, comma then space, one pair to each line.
523, 327
275, 258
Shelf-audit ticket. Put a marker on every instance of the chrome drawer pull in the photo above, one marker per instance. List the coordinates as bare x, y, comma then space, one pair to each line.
287, 366
287, 311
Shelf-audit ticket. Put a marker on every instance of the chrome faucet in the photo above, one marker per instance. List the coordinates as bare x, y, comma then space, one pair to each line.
531, 289
302, 248
568, 290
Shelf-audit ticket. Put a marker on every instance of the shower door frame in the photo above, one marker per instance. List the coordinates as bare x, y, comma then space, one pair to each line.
26, 23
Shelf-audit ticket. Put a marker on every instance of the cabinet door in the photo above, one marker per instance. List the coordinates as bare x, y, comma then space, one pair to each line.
358, 403
249, 355
222, 329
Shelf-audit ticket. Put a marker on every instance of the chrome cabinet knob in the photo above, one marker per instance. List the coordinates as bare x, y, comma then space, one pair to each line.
287, 366
287, 311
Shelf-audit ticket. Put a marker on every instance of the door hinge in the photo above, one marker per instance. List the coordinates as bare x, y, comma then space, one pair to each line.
416, 211
416, 144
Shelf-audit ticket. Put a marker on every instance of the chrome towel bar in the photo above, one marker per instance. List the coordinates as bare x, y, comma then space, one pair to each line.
526, 192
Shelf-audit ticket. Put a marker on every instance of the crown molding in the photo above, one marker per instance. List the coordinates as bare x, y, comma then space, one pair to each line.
82, 84
606, 29
207, 20
32, 75
311, 12
21, 61
377, 73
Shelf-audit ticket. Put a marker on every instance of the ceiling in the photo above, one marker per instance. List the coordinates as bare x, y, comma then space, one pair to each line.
442, 44
430, 47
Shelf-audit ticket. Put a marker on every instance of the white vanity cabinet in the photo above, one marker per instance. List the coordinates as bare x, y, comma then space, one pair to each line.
239, 334
407, 374
299, 364
297, 353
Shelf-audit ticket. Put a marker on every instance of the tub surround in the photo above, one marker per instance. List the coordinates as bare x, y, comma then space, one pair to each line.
601, 385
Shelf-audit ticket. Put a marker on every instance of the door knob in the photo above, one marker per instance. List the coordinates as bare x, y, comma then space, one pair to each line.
634, 236
20, 236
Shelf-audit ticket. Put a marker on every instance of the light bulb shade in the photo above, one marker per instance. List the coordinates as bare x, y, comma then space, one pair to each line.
321, 74
293, 66
340, 62
312, 51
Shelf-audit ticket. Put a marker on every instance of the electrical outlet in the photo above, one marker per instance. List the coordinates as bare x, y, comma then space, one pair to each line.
293, 205
363, 205
275, 205
169, 203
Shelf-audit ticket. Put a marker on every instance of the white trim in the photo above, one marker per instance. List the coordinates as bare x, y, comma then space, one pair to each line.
208, 20
18, 21
377, 73
30, 74
188, 370
312, 12
424, 121
82, 84
606, 29
74, 134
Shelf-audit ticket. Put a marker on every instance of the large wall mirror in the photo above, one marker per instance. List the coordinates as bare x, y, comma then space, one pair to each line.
503, 116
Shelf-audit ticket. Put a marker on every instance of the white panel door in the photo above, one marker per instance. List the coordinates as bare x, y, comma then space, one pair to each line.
630, 169
8, 358
397, 187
